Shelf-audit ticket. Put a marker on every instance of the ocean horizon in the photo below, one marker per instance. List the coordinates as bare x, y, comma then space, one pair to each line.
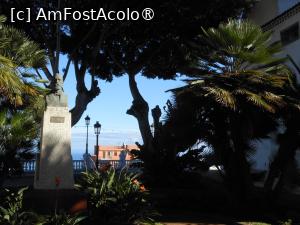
77, 156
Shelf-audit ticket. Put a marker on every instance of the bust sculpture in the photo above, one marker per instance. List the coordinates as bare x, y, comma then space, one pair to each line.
57, 96
58, 85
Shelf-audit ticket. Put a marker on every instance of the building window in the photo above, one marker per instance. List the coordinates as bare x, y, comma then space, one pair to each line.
116, 153
290, 34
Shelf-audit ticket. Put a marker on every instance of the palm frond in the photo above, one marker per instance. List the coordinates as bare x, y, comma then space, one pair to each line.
222, 96
17, 55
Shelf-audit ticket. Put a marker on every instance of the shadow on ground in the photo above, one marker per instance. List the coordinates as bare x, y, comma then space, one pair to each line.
203, 204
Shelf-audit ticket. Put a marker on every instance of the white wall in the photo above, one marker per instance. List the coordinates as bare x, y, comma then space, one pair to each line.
292, 49
264, 11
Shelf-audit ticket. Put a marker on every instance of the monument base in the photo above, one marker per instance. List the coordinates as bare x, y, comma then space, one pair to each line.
47, 201
54, 164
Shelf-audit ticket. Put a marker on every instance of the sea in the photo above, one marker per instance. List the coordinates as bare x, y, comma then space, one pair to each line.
77, 156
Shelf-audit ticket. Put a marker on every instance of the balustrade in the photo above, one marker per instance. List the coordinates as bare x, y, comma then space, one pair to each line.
78, 165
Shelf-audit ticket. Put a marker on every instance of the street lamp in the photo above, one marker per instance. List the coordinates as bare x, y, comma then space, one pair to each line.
87, 123
97, 127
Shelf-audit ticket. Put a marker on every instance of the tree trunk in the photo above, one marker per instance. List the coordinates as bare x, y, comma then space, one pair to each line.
84, 96
236, 165
285, 155
140, 111
243, 175
237, 177
81, 102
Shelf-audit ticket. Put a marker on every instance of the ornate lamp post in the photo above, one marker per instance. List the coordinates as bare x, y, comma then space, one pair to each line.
97, 127
87, 123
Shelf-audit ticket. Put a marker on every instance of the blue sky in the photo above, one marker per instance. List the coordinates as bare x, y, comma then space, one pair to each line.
110, 107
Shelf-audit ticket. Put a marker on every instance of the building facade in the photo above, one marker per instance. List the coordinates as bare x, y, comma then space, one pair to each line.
282, 18
112, 152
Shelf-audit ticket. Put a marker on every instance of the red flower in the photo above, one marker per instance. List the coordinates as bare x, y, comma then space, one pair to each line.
79, 206
142, 188
105, 167
57, 181
136, 182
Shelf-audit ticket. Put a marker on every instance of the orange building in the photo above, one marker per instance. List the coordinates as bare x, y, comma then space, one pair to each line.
110, 152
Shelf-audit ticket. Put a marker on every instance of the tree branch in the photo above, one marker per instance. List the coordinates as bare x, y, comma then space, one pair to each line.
57, 51
99, 42
40, 76
132, 83
79, 75
47, 73
117, 62
47, 46
67, 68
83, 39
138, 65
52, 61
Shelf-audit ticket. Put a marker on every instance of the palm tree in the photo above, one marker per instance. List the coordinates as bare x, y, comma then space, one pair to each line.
18, 57
18, 133
240, 83
21, 98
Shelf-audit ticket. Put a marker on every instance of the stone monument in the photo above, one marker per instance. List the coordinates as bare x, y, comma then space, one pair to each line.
54, 165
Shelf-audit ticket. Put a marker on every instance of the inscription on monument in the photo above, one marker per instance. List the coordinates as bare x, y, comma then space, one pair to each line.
57, 119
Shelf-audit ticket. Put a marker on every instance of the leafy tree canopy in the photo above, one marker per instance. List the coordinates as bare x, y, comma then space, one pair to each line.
157, 48
242, 76
18, 55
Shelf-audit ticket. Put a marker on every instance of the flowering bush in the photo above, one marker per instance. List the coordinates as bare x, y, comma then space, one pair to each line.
116, 198
13, 213
113, 198
105, 167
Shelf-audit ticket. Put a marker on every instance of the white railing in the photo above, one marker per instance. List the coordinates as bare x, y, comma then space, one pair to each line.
78, 165
28, 166
113, 163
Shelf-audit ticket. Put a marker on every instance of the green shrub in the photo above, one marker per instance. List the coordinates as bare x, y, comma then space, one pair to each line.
62, 219
116, 198
288, 222
12, 212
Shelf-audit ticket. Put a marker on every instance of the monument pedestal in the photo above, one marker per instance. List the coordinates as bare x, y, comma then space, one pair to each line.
54, 164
